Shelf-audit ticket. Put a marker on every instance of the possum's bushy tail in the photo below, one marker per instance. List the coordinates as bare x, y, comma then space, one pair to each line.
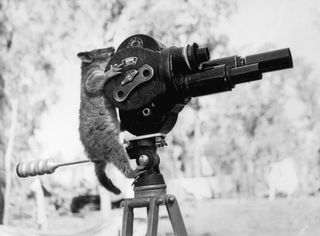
103, 178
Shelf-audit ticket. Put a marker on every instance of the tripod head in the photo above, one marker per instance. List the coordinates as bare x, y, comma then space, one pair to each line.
144, 150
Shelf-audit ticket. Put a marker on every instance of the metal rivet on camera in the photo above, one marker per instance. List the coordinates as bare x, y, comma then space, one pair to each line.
146, 112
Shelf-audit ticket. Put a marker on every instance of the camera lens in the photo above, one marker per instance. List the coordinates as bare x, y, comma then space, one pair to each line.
196, 55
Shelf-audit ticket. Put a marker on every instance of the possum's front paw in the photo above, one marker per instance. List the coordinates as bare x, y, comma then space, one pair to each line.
137, 172
114, 70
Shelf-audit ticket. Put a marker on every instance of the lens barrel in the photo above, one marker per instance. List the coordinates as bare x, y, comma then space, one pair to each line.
272, 60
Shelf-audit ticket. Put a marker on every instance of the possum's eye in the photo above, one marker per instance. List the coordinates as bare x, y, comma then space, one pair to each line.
85, 57
107, 51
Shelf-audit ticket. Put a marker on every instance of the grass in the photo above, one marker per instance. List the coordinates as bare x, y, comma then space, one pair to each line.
212, 217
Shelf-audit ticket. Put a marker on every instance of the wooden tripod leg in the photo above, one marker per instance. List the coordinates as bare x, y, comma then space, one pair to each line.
153, 216
127, 220
175, 216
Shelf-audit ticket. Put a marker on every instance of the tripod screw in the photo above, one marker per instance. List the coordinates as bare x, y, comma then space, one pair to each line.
159, 201
171, 199
143, 160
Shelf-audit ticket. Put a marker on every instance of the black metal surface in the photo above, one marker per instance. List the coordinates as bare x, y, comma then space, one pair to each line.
150, 179
147, 146
143, 93
141, 40
245, 73
272, 60
179, 73
207, 82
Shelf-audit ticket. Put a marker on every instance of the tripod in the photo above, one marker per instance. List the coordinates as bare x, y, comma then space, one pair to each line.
150, 188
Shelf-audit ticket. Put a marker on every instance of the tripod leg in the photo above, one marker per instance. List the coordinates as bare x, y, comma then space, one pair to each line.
153, 215
127, 220
175, 216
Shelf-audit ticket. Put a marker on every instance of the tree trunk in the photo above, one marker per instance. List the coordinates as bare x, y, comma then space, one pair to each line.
2, 188
42, 219
197, 151
7, 159
105, 203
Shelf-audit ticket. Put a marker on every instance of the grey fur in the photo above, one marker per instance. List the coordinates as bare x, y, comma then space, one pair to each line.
99, 126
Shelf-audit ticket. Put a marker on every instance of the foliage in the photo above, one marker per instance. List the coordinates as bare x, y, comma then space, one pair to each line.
38, 42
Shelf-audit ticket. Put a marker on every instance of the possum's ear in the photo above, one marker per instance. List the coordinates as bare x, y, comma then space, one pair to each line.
85, 57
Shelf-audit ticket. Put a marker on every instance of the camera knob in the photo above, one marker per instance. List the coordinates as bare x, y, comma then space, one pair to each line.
143, 160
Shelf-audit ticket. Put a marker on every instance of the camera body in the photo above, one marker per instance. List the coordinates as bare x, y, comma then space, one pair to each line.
158, 81
145, 93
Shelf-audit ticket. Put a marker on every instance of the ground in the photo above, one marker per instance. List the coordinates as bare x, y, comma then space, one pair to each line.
214, 217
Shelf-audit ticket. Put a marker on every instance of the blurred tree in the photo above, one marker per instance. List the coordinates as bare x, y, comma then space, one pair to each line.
263, 122
5, 44
3, 107
39, 43
28, 72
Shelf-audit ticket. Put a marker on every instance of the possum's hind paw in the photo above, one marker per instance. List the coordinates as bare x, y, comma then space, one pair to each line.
140, 171
137, 172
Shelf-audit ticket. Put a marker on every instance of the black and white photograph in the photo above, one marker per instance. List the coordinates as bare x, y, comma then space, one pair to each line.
159, 118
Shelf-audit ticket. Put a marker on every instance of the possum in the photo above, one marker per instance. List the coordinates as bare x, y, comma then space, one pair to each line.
99, 127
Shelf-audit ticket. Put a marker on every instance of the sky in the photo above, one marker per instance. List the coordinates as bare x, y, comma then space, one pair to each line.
281, 23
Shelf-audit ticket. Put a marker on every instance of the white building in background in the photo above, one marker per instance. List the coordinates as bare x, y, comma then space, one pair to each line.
282, 178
